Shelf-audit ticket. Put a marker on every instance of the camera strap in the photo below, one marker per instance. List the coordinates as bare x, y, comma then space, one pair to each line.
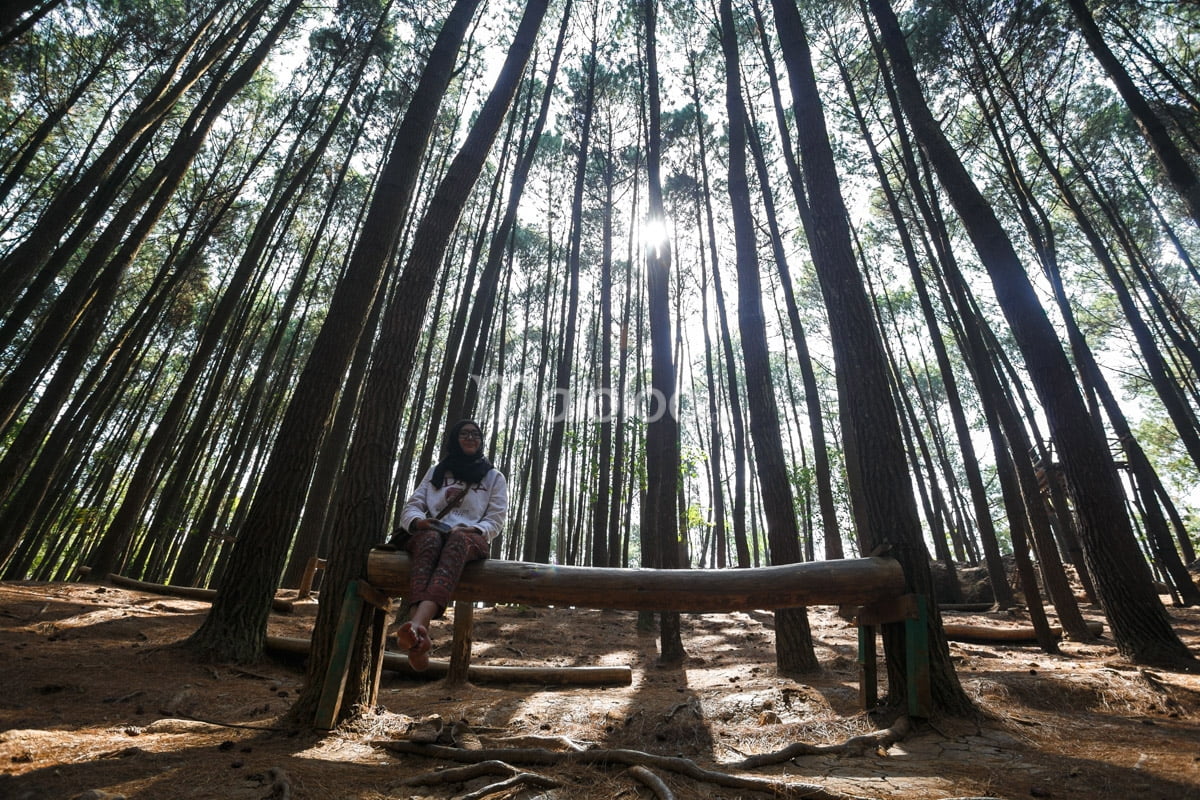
453, 504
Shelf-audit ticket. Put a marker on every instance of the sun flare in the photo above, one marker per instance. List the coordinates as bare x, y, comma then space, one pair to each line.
655, 235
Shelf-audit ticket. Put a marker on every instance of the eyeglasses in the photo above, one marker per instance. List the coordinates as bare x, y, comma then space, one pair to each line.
475, 435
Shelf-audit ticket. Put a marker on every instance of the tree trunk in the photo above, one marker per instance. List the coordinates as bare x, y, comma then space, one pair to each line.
1002, 591
566, 356
1138, 619
235, 628
733, 392
886, 512
794, 654
812, 397
360, 518
662, 430
601, 556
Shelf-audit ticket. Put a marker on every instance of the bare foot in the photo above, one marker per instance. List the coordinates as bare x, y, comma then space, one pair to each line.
418, 654
406, 636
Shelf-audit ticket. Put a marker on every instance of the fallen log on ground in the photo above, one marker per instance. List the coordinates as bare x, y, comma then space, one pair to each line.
483, 673
191, 592
994, 633
965, 607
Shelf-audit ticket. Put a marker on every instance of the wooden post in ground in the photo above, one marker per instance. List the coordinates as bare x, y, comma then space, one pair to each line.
460, 650
310, 575
359, 595
339, 660
868, 668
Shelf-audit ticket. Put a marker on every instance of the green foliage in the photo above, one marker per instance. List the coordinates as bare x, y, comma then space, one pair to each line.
114, 51
1175, 468
696, 518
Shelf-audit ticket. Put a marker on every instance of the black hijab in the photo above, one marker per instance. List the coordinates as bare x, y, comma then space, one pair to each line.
467, 468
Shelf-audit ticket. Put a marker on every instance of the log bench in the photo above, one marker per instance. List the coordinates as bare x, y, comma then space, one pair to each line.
870, 592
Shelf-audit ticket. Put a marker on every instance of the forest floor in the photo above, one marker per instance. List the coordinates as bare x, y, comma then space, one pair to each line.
97, 703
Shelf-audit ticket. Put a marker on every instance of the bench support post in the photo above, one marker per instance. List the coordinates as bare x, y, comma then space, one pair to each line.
916, 659
913, 611
460, 650
309, 576
868, 668
359, 595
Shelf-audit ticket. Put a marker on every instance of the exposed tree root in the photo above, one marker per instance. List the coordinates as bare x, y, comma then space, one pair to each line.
493, 760
632, 758
855, 745
281, 784
653, 782
532, 740
513, 778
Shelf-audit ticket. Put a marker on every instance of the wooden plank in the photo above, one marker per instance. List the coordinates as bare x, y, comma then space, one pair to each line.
334, 684
916, 658
379, 624
847, 581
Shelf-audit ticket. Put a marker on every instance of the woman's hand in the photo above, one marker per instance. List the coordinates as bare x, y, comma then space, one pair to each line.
421, 524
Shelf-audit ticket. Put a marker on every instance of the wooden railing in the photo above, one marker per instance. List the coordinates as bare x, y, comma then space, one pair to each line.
869, 590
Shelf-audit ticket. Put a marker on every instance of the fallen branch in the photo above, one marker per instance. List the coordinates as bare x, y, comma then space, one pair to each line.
459, 774
190, 592
517, 779
633, 758
190, 724
856, 745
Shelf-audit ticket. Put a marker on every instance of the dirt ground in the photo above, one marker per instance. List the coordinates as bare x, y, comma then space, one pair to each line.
96, 703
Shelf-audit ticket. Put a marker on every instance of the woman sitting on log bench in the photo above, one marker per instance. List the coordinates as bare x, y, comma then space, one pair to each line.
456, 511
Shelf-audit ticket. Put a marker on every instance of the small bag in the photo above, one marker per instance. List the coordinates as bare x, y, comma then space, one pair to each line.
400, 536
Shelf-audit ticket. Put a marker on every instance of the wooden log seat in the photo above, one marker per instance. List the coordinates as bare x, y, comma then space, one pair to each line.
854, 581
871, 590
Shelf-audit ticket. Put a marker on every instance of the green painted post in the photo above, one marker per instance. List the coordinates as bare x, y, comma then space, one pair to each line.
339, 659
916, 656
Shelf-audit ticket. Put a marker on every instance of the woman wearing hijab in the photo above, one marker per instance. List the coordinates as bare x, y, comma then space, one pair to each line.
456, 511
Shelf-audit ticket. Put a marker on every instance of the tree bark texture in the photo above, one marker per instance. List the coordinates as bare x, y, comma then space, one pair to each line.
1139, 622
